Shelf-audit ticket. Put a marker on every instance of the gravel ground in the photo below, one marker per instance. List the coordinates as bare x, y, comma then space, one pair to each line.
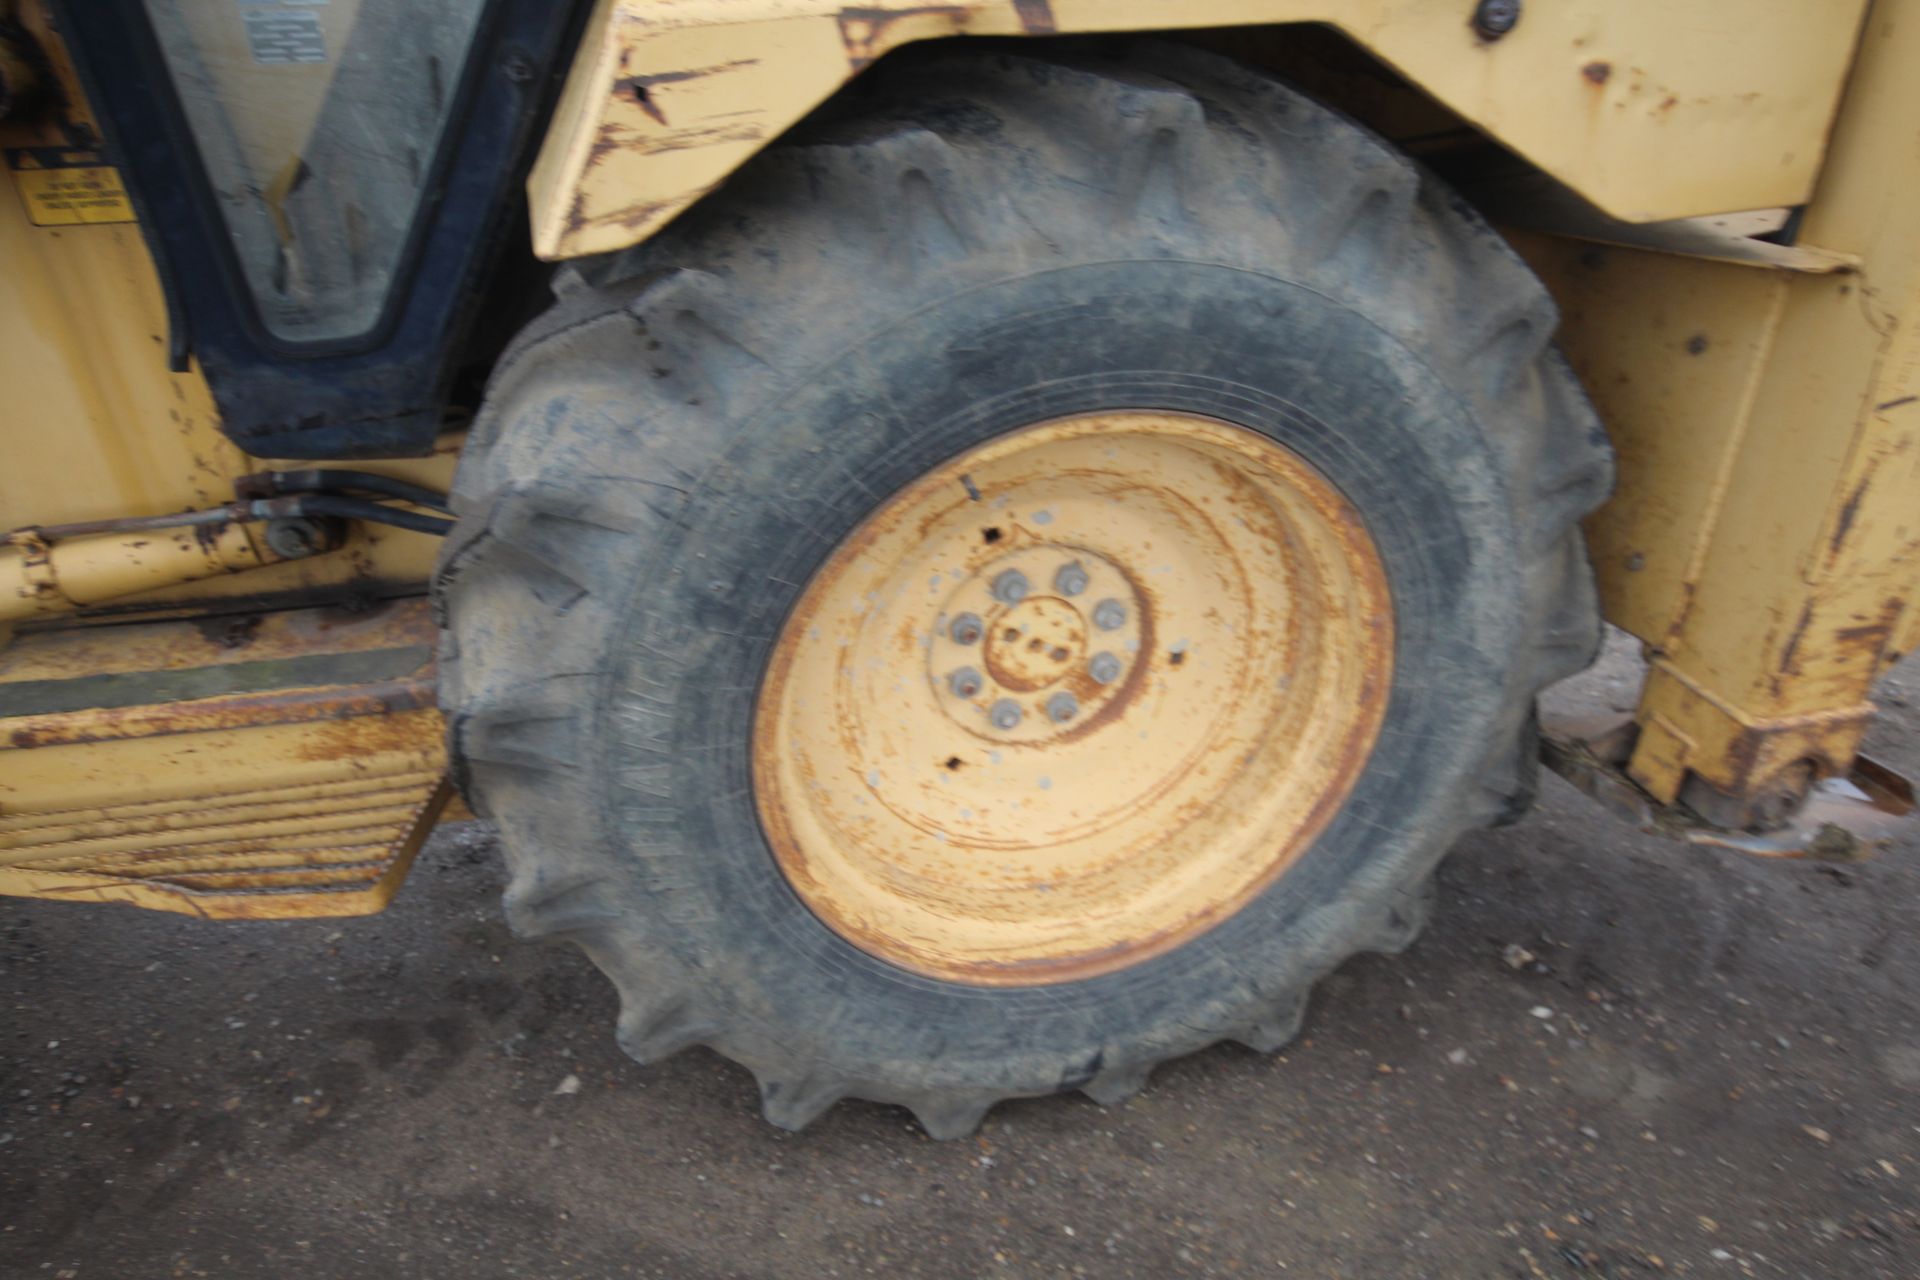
1609, 1057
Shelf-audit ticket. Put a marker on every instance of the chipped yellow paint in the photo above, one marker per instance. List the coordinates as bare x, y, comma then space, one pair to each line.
277, 792
97, 427
1765, 536
1651, 109
41, 577
1010, 781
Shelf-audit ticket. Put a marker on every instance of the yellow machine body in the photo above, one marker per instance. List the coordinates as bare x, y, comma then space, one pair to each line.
226, 738
1650, 109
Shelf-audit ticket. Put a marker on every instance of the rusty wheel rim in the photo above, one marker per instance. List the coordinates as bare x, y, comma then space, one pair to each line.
1009, 787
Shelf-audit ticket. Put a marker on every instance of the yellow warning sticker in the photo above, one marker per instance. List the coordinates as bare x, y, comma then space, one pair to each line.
68, 186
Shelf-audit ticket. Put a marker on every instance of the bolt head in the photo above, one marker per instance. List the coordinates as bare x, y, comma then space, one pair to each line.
1109, 615
965, 682
1104, 668
966, 629
1005, 714
1070, 579
1062, 707
293, 537
1010, 586
1494, 18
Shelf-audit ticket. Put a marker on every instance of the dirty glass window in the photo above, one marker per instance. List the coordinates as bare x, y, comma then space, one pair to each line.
317, 122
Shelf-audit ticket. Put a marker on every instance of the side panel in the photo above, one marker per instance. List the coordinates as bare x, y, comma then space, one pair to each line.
1652, 109
96, 425
1764, 540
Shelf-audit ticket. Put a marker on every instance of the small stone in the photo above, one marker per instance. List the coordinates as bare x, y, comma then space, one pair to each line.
1517, 956
571, 1084
1541, 1011
1719, 1255
1458, 1057
1815, 1132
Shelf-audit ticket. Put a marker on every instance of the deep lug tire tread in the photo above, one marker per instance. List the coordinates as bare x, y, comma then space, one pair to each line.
910, 197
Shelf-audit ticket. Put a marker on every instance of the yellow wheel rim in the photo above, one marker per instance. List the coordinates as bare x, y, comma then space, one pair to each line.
1005, 786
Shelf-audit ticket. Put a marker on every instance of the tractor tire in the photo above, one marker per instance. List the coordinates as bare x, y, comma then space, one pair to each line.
1234, 282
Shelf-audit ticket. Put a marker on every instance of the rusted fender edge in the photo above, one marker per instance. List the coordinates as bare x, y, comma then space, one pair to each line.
1842, 819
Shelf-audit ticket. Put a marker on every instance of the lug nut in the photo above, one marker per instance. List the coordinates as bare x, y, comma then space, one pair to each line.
1104, 668
965, 682
1071, 579
1010, 586
1109, 615
1062, 707
966, 629
1005, 714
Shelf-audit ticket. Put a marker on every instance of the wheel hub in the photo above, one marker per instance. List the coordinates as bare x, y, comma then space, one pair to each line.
1072, 698
984, 651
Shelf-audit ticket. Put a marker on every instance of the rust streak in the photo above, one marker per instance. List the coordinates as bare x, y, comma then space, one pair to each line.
640, 88
1787, 655
610, 137
1036, 17
681, 77
1848, 511
230, 712
863, 30
1871, 636
691, 139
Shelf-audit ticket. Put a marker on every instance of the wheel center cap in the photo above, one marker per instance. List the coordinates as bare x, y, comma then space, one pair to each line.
1035, 643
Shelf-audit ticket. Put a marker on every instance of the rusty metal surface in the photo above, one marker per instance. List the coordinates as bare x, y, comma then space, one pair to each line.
198, 644
1248, 619
1840, 818
241, 868
1651, 109
46, 571
1762, 540
204, 714
302, 792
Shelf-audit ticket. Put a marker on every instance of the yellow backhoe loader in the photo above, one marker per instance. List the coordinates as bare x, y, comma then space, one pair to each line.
967, 549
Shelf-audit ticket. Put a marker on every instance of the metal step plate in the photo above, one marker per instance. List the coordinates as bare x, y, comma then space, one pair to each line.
285, 764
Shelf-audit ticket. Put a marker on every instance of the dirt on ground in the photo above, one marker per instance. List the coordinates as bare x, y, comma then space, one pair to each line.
1609, 1057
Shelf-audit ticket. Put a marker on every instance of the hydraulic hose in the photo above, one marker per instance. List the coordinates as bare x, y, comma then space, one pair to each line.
331, 504
334, 479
